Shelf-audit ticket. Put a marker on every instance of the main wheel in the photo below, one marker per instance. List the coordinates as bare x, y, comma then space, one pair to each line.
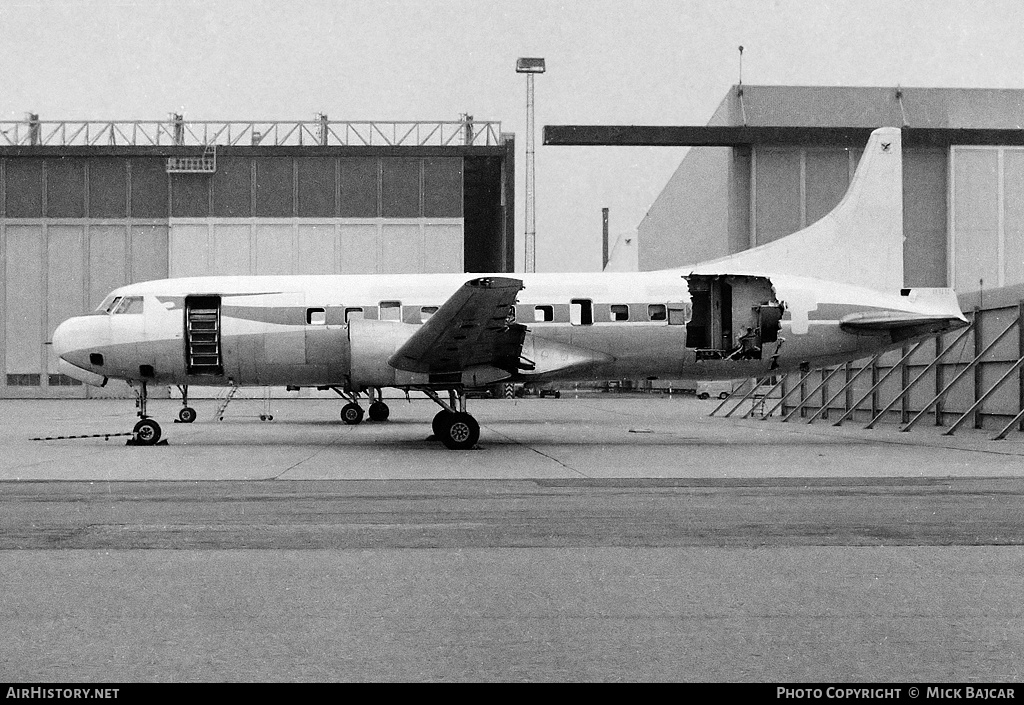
351, 414
147, 432
187, 414
440, 422
461, 432
379, 411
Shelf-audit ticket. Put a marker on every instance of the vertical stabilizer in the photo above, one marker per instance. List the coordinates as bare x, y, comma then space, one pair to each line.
859, 242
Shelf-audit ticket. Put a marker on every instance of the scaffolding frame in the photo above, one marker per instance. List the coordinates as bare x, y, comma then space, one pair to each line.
177, 131
934, 369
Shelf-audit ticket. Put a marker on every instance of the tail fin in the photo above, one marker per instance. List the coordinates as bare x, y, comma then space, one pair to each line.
859, 242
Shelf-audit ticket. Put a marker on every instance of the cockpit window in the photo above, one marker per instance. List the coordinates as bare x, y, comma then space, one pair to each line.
109, 303
128, 304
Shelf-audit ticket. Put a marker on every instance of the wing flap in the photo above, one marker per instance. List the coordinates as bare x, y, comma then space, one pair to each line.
471, 328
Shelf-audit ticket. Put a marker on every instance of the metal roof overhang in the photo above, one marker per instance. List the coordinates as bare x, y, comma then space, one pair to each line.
740, 136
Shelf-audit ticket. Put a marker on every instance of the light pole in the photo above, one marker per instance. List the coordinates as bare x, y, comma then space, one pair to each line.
530, 66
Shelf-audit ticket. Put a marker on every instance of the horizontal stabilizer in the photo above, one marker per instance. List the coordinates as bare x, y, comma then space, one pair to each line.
928, 311
885, 321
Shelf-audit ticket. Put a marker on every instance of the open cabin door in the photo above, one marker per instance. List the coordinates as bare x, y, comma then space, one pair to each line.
733, 316
203, 351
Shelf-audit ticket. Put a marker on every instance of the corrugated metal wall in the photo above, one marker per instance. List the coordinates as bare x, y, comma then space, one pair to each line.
72, 228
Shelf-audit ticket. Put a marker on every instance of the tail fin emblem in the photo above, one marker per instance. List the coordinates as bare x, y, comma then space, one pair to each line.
886, 146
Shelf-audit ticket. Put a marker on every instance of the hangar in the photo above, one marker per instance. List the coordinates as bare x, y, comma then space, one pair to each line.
86, 207
774, 159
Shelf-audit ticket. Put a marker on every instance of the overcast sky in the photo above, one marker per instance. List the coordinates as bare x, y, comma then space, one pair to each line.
609, 62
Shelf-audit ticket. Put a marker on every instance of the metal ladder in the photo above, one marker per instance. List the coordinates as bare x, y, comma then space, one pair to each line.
203, 332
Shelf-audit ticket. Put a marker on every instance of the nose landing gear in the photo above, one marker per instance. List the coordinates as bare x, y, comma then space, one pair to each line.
147, 431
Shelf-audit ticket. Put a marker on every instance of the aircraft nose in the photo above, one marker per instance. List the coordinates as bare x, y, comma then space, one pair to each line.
75, 337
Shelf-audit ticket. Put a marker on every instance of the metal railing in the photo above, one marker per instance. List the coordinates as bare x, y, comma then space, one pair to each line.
177, 132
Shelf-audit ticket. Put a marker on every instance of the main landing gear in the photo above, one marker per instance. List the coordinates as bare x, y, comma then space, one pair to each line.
146, 431
352, 413
456, 429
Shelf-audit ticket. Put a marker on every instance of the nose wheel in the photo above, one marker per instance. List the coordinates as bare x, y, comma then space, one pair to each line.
146, 433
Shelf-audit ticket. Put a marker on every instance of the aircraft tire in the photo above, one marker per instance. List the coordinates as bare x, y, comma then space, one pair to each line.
379, 411
187, 414
351, 414
438, 425
461, 432
147, 432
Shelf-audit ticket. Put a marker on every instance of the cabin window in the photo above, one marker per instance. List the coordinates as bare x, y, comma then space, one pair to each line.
581, 312
351, 313
129, 304
678, 315
390, 310
426, 312
620, 312
316, 316
544, 313
656, 312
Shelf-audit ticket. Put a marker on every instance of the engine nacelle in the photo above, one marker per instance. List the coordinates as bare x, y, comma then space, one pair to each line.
371, 344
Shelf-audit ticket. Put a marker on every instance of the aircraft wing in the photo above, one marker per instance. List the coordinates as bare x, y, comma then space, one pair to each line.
471, 328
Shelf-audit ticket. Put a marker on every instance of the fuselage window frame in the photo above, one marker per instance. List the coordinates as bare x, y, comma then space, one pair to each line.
426, 312
619, 312
390, 311
543, 314
350, 312
581, 312
657, 312
316, 316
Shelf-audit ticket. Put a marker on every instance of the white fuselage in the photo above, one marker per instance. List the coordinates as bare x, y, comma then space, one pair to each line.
341, 330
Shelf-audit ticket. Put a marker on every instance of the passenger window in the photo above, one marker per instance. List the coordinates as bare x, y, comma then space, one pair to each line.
581, 312
620, 312
390, 310
678, 314
426, 312
351, 313
316, 316
544, 313
656, 312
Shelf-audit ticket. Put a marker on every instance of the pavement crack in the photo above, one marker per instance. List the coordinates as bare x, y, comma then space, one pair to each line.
538, 452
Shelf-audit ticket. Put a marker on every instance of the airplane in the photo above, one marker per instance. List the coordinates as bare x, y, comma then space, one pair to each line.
827, 294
